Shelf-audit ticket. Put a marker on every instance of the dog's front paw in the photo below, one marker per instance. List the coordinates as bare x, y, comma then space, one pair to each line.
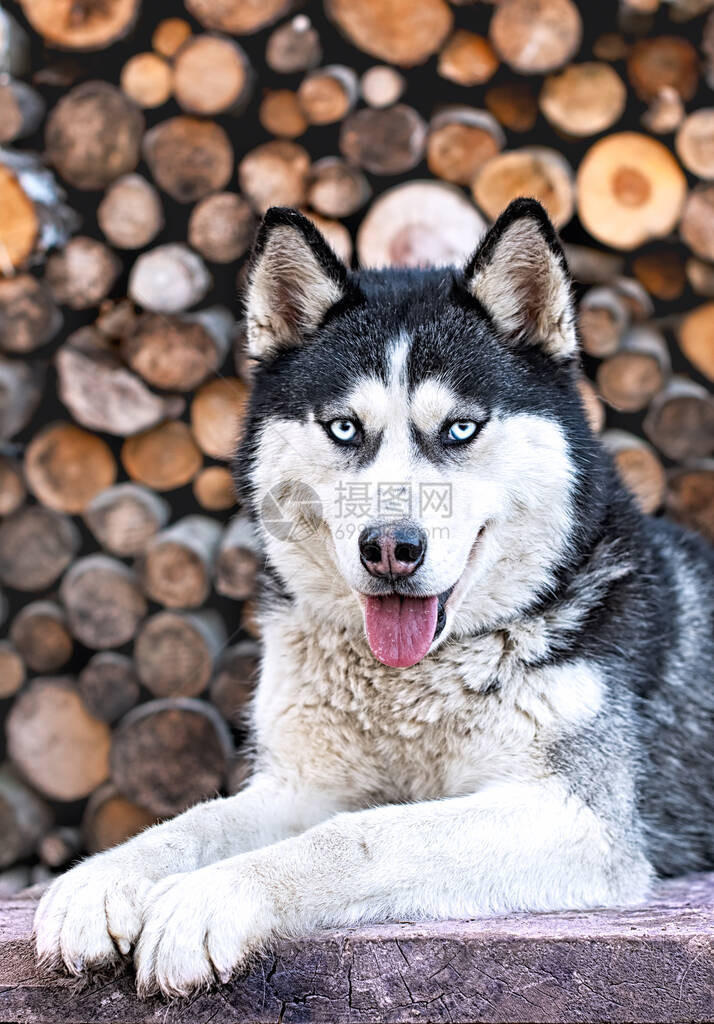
199, 928
91, 915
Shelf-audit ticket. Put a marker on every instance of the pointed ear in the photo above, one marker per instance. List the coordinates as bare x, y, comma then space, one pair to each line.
295, 278
520, 276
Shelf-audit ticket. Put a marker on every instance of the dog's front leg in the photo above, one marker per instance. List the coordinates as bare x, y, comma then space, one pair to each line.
92, 914
511, 847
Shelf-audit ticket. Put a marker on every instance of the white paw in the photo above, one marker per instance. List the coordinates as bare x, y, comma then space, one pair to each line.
199, 928
92, 914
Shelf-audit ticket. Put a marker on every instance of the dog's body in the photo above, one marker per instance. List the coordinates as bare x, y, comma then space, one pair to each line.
500, 700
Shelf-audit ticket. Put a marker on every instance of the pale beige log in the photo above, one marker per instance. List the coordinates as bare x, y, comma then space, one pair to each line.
12, 670
39, 632
29, 317
695, 142
93, 135
19, 225
294, 46
103, 601
178, 353
217, 413
467, 59
630, 189
59, 846
234, 684
402, 32
696, 338
83, 273
123, 518
382, 86
532, 171
661, 272
665, 112
281, 114
603, 317
536, 36
65, 467
629, 379
639, 467
700, 276
178, 563
110, 819
690, 497
214, 489
697, 224
91, 25
222, 227
460, 141
20, 392
239, 558
24, 818
592, 266
328, 94
337, 189
169, 36
584, 99
212, 75
389, 141
188, 158
169, 279
109, 685
168, 755
275, 174
36, 546
22, 110
660, 61
130, 214
513, 104
60, 748
162, 458
147, 79
420, 223
680, 420
237, 17
176, 652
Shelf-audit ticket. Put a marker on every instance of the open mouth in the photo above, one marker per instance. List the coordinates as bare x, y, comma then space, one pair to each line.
400, 630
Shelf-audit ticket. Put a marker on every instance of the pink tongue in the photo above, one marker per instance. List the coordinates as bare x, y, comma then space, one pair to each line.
400, 629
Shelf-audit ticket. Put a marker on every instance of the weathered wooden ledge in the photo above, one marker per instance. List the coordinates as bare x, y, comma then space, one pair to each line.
654, 963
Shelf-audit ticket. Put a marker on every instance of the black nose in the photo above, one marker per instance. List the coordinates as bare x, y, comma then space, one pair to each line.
392, 550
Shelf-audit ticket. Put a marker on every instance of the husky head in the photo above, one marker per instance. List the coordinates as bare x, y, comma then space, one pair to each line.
416, 450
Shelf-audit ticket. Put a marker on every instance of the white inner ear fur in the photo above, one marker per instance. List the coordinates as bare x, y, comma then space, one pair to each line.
288, 295
526, 290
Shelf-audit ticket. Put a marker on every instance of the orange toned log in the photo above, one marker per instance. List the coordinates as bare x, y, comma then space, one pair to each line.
697, 224
29, 317
663, 61
92, 25
594, 409
460, 141
130, 214
294, 46
103, 602
341, 241
39, 633
147, 79
275, 174
20, 393
61, 749
535, 36
239, 559
178, 563
402, 32
631, 378
532, 171
93, 135
639, 467
382, 86
217, 413
169, 36
388, 141
467, 59
214, 490
59, 846
680, 421
123, 518
695, 143
222, 227
281, 114
110, 819
212, 75
420, 223
583, 99
109, 685
12, 486
237, 17
19, 225
83, 273
176, 652
337, 189
12, 670
188, 158
162, 458
65, 467
24, 818
168, 279
178, 353
235, 682
513, 105
690, 497
22, 110
661, 272
168, 755
36, 546
603, 317
630, 189
696, 338
328, 94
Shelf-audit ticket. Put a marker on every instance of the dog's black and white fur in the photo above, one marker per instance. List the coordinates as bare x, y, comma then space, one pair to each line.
555, 746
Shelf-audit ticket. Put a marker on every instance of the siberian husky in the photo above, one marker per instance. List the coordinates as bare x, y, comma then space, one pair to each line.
487, 679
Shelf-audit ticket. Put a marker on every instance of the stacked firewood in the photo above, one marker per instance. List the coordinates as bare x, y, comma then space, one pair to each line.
138, 151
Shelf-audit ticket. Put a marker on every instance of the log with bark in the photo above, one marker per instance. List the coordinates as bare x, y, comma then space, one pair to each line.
36, 546
24, 818
188, 158
178, 562
110, 819
40, 634
176, 652
108, 685
123, 518
103, 601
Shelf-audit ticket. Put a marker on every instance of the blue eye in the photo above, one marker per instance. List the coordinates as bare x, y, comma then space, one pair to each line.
344, 431
461, 431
